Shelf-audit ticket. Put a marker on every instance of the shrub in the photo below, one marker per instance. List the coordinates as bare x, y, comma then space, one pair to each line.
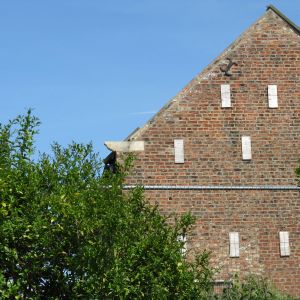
252, 288
68, 232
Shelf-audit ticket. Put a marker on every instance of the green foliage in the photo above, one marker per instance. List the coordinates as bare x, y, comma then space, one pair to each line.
252, 288
68, 232
297, 171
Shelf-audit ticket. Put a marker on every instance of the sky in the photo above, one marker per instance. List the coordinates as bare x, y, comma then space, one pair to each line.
94, 70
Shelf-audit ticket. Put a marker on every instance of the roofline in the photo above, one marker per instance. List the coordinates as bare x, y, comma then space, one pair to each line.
112, 154
285, 18
198, 77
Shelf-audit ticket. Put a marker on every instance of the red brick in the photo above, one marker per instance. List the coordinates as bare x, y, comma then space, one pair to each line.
267, 53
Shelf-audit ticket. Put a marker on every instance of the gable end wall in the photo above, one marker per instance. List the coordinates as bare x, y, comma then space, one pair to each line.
266, 54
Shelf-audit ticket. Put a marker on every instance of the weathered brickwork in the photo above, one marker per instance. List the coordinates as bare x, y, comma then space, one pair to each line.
268, 53
258, 216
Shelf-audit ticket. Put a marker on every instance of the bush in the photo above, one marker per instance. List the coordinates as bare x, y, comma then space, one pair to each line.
252, 288
68, 232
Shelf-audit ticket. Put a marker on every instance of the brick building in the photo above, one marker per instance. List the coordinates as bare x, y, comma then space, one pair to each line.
226, 148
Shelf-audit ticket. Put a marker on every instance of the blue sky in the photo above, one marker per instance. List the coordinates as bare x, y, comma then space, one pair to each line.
94, 70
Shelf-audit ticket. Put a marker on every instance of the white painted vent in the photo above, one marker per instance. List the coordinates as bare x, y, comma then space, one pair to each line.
179, 151
225, 95
234, 244
284, 243
246, 148
182, 238
272, 96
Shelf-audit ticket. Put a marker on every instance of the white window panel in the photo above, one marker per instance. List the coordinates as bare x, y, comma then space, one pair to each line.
246, 148
179, 151
225, 95
272, 96
182, 238
284, 243
234, 244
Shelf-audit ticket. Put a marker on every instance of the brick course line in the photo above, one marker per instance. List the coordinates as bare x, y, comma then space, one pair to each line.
213, 187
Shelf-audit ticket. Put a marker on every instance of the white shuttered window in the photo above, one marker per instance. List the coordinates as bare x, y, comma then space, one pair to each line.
179, 151
246, 148
234, 244
182, 239
272, 96
225, 95
284, 243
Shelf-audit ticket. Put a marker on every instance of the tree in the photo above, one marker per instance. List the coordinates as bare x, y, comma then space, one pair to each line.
67, 231
298, 172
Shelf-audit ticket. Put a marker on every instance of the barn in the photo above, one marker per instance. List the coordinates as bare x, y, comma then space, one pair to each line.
226, 147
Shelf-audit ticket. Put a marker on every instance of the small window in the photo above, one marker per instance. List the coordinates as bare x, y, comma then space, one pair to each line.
234, 244
272, 96
182, 239
179, 151
284, 243
246, 148
225, 95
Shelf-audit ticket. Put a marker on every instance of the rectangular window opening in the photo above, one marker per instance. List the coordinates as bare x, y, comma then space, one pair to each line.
284, 243
179, 151
246, 148
182, 239
225, 95
272, 96
234, 244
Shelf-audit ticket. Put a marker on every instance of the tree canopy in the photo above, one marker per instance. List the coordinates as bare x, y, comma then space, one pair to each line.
69, 231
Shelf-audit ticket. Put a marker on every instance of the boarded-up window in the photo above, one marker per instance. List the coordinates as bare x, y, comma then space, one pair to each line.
246, 148
182, 239
225, 95
179, 151
284, 243
272, 96
234, 244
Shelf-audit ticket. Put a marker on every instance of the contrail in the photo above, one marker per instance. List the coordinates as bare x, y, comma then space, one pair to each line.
144, 112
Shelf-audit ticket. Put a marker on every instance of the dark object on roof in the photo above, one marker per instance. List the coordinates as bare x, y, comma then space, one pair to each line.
285, 18
110, 163
110, 159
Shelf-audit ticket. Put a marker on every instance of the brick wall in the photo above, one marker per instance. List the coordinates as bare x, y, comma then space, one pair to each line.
267, 53
257, 216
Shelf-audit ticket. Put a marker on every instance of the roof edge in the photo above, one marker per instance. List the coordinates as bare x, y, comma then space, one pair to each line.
198, 77
285, 18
